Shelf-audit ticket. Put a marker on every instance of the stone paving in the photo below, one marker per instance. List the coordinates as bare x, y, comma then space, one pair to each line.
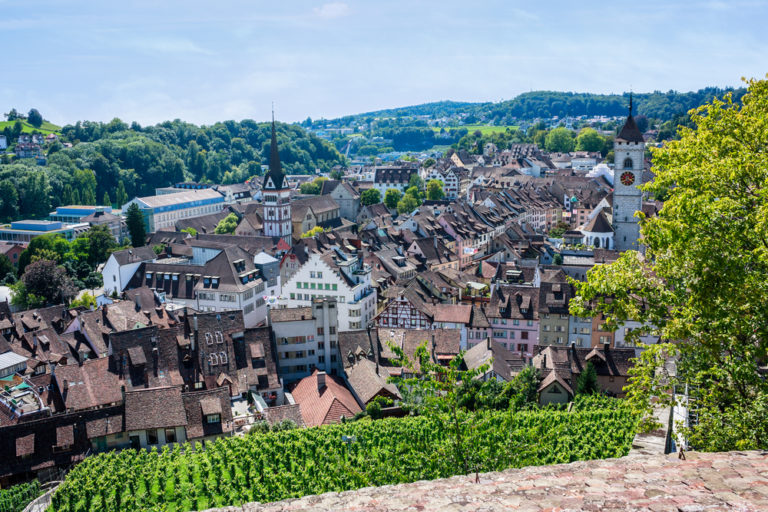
706, 482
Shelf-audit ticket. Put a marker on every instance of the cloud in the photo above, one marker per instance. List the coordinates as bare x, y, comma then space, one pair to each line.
332, 10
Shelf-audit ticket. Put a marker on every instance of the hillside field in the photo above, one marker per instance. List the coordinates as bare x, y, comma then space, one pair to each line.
45, 129
484, 129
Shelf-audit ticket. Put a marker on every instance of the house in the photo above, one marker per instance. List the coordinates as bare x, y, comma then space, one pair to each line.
513, 312
12, 251
324, 399
155, 417
367, 381
306, 338
502, 364
398, 178
115, 224
560, 367
122, 265
554, 298
378, 213
209, 414
345, 196
331, 272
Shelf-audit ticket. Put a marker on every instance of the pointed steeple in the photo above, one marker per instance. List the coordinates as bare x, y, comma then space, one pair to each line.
275, 173
630, 132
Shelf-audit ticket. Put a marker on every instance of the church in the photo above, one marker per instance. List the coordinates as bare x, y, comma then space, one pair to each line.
276, 196
629, 157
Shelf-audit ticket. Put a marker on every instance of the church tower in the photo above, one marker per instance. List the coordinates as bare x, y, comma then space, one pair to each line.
277, 196
629, 156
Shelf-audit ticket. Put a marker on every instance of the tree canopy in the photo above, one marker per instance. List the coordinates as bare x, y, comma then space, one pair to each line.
392, 197
227, 225
702, 283
370, 196
435, 190
560, 140
134, 220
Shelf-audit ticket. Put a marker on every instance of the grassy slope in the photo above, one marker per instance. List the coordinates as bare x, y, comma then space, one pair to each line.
45, 129
484, 129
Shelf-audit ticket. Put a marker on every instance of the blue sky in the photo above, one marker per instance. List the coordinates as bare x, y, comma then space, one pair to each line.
203, 62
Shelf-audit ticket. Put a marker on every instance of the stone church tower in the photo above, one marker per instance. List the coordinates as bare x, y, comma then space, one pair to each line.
277, 196
629, 156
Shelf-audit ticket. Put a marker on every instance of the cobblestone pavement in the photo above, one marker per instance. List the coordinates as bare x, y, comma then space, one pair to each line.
707, 482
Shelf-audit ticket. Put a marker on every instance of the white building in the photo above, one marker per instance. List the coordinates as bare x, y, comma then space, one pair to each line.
122, 265
164, 210
339, 276
306, 338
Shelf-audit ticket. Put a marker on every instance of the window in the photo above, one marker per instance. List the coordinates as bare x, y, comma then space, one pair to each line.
213, 418
293, 296
332, 330
529, 323
499, 334
334, 287
223, 357
524, 335
312, 274
208, 338
515, 322
213, 359
312, 286
152, 436
320, 331
170, 435
219, 337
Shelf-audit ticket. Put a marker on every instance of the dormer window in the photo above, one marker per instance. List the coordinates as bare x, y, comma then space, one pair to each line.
219, 337
208, 338
213, 359
223, 357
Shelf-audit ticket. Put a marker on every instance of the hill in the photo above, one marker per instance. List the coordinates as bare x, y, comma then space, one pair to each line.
45, 128
663, 106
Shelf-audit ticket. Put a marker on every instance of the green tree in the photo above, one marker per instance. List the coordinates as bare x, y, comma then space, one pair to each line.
192, 231
106, 201
589, 140
439, 396
13, 115
101, 243
416, 181
312, 232
121, 197
435, 190
134, 220
45, 282
559, 140
391, 197
86, 300
704, 277
370, 196
407, 204
227, 225
586, 384
34, 118
9, 201
6, 267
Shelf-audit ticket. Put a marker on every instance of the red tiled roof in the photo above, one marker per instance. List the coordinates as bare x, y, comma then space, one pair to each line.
327, 405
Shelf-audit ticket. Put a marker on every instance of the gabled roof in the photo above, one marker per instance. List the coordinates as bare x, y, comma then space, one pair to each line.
134, 255
154, 408
598, 224
326, 405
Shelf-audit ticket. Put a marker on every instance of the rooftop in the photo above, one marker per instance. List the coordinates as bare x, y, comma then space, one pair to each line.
703, 481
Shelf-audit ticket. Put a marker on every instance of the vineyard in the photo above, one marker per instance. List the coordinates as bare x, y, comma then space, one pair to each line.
278, 465
16, 498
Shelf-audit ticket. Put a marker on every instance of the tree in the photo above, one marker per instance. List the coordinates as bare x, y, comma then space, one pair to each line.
34, 118
407, 204
392, 197
192, 231
121, 197
429, 162
312, 232
86, 300
436, 389
45, 282
106, 201
704, 277
416, 181
101, 242
337, 174
559, 140
589, 140
134, 220
227, 225
435, 190
587, 381
6, 267
370, 196
13, 115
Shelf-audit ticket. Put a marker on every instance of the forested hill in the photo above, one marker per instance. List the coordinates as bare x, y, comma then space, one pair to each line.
128, 161
659, 105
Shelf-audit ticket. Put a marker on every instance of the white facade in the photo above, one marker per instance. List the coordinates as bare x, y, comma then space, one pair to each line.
627, 197
277, 213
355, 296
306, 344
164, 210
116, 276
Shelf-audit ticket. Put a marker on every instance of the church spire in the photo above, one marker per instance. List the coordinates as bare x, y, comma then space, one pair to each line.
630, 105
275, 172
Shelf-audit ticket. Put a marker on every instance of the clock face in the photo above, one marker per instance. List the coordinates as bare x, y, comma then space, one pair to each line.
627, 178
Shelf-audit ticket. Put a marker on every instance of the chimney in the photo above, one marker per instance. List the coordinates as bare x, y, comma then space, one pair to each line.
137, 301
320, 380
66, 385
544, 361
34, 340
488, 339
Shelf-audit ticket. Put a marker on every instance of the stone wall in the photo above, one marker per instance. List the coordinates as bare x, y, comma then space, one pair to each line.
732, 481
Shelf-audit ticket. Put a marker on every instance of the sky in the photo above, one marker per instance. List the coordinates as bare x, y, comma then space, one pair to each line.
151, 61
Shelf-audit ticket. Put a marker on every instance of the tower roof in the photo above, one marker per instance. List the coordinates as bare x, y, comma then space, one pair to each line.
598, 224
275, 173
630, 132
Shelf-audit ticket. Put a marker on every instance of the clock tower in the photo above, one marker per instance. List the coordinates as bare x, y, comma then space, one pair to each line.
277, 196
629, 157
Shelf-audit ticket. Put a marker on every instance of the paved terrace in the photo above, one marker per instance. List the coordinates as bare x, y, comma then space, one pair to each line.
707, 482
